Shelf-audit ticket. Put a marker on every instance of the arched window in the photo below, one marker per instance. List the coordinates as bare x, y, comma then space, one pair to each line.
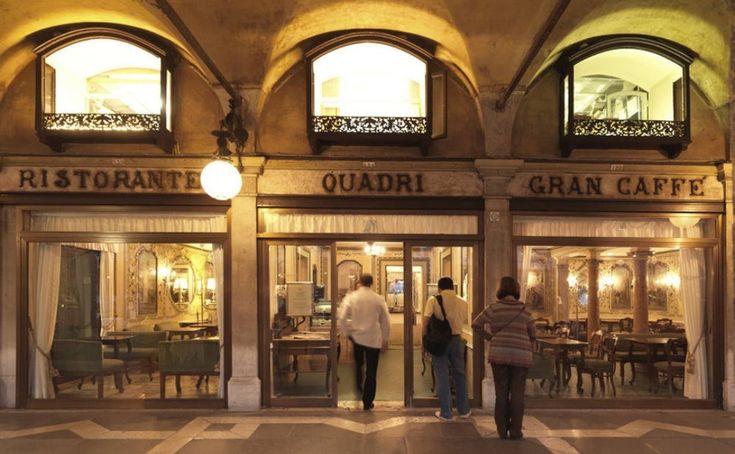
625, 92
374, 88
103, 85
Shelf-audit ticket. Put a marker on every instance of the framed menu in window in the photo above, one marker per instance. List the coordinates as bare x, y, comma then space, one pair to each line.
299, 299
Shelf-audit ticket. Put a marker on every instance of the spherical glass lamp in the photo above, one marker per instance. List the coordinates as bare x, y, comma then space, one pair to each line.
221, 180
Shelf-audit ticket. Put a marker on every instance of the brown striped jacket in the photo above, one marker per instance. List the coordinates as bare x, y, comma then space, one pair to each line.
511, 345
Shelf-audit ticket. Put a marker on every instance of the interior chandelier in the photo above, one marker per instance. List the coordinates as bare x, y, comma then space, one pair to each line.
220, 179
374, 249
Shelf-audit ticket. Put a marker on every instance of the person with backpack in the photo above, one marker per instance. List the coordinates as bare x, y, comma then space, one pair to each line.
511, 335
448, 306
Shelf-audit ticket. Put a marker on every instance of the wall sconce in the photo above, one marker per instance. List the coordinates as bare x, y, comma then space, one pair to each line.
607, 281
572, 280
671, 280
220, 179
374, 249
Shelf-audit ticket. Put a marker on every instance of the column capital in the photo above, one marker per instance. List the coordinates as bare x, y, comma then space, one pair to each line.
496, 174
642, 254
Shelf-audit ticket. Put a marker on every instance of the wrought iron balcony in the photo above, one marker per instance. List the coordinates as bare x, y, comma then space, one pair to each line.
369, 125
628, 128
101, 122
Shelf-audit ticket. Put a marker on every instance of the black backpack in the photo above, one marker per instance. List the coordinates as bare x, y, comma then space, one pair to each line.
438, 334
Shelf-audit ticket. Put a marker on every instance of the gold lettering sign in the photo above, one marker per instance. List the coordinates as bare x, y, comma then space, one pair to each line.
102, 180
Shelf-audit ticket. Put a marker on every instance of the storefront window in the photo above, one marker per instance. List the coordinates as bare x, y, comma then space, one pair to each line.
114, 319
621, 306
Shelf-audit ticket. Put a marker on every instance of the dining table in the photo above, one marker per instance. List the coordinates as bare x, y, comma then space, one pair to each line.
115, 342
652, 346
561, 347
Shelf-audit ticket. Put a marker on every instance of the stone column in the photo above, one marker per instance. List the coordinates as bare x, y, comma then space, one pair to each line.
244, 387
498, 124
726, 177
640, 291
9, 276
562, 267
593, 300
496, 175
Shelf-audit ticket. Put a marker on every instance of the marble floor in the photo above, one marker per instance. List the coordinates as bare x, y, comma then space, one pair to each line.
347, 431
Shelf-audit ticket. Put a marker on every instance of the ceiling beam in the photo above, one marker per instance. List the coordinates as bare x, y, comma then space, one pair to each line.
176, 20
538, 41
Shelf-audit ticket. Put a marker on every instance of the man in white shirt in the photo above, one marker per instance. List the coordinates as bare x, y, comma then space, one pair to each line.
456, 310
364, 318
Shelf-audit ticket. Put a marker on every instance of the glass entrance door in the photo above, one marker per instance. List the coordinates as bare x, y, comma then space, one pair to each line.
460, 263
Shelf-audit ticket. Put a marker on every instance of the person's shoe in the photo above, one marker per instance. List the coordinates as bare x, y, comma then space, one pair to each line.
516, 436
367, 407
466, 415
503, 434
438, 414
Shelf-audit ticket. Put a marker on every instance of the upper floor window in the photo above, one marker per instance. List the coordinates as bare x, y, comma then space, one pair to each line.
374, 89
103, 86
626, 92
369, 80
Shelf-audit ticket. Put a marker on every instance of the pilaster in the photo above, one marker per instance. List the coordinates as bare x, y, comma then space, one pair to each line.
640, 296
244, 386
496, 174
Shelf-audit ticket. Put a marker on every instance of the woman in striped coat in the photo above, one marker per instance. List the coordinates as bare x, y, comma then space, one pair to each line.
510, 354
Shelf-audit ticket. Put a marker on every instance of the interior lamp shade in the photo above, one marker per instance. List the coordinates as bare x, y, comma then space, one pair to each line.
221, 180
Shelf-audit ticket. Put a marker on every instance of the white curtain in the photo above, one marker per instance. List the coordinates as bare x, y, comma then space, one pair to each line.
525, 269
107, 292
43, 297
692, 291
127, 222
336, 223
218, 260
602, 227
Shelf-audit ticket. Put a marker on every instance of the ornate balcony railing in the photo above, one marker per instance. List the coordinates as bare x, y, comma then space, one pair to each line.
101, 122
628, 128
369, 125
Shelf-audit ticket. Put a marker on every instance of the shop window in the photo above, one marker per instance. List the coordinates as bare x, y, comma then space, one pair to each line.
625, 92
374, 89
615, 289
103, 86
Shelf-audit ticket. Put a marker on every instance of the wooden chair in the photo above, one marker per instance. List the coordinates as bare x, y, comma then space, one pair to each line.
598, 363
144, 349
79, 358
626, 325
561, 328
626, 352
542, 324
670, 368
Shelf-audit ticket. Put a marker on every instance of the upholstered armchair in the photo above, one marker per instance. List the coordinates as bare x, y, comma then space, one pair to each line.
79, 358
144, 349
197, 357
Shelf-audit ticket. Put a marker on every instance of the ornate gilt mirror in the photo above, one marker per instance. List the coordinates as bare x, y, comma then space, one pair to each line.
146, 285
181, 283
209, 287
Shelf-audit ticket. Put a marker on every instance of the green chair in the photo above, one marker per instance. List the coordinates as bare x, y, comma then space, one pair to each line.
197, 357
79, 358
543, 368
144, 349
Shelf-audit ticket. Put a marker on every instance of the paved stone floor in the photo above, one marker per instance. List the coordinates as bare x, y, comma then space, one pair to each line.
346, 431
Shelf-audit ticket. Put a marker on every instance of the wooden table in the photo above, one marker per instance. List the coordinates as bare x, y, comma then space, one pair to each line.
188, 331
210, 329
115, 341
296, 344
561, 347
652, 345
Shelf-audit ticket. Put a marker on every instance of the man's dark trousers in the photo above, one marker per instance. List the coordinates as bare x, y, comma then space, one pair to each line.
367, 356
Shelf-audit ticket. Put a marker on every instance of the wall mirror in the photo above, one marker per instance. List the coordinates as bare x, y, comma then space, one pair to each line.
181, 283
146, 285
209, 284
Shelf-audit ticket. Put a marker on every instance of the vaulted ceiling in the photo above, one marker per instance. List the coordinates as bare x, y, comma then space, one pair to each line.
255, 42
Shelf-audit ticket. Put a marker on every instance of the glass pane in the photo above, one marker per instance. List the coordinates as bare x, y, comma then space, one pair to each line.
384, 261
116, 317
627, 308
300, 314
430, 264
369, 79
627, 84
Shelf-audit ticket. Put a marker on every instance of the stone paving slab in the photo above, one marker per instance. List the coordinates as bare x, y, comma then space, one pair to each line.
324, 431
